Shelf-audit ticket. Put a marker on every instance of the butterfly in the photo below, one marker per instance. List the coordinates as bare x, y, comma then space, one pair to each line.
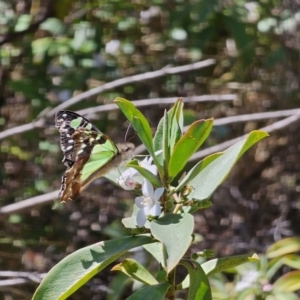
88, 153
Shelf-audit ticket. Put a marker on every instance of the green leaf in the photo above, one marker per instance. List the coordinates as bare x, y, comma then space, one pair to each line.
166, 149
23, 22
175, 233
175, 123
199, 285
133, 269
147, 174
156, 292
138, 121
116, 287
289, 282
188, 144
282, 296
77, 268
220, 264
53, 25
283, 247
205, 183
156, 250
140, 125
200, 166
175, 126
291, 260
130, 222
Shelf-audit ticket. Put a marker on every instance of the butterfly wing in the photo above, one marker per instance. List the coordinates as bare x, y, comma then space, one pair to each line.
67, 122
88, 153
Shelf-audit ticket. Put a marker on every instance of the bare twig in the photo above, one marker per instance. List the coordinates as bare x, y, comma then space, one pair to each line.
15, 281
21, 129
270, 128
256, 117
35, 277
155, 101
135, 78
112, 106
34, 201
103, 88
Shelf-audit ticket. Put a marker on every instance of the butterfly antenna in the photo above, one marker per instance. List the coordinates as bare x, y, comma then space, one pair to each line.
126, 134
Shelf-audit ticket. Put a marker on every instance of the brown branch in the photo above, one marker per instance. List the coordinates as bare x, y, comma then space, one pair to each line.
128, 80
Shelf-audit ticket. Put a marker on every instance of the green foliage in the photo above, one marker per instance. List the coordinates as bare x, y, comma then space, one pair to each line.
164, 212
77, 268
52, 50
262, 280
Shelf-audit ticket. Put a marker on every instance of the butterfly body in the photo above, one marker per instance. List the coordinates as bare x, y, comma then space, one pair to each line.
88, 153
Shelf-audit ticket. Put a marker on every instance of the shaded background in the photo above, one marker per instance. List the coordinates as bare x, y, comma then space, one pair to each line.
53, 50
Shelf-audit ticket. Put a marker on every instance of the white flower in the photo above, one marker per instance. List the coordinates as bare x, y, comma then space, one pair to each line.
148, 203
248, 279
112, 47
131, 178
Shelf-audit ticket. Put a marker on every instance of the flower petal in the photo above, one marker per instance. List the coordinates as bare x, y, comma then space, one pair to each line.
155, 210
139, 202
158, 193
130, 172
141, 218
147, 189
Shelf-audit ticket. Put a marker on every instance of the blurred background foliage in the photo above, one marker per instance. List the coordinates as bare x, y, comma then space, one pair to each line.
53, 50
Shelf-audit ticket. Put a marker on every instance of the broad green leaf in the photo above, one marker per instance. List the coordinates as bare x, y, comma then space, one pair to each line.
289, 282
199, 285
200, 166
53, 25
41, 46
130, 222
138, 122
77, 268
175, 126
291, 260
220, 264
156, 250
283, 247
188, 144
175, 233
158, 140
133, 269
147, 174
205, 183
273, 266
282, 296
156, 292
23, 22
116, 287
166, 146
175, 123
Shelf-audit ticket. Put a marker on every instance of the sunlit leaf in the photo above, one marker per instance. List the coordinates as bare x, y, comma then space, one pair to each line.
135, 270
289, 282
205, 183
199, 287
175, 233
80, 266
283, 247
188, 144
